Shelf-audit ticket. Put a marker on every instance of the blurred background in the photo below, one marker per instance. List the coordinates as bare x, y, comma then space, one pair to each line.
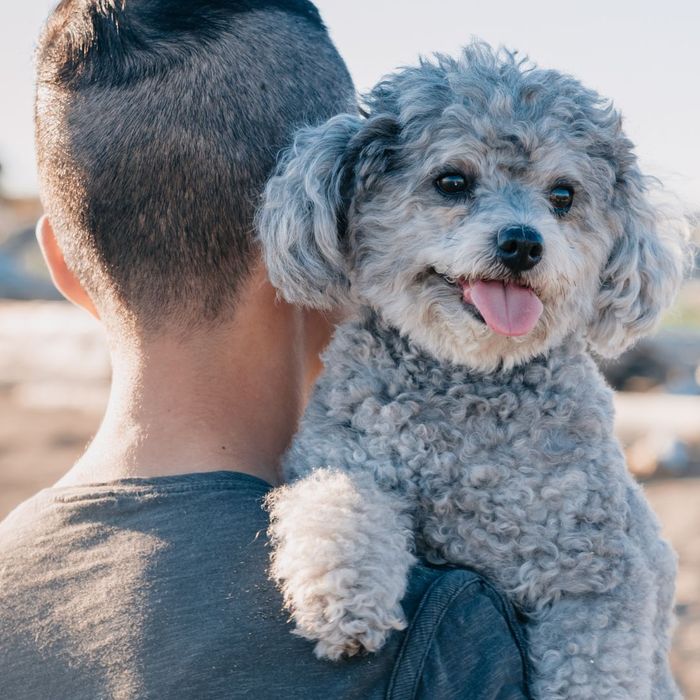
54, 368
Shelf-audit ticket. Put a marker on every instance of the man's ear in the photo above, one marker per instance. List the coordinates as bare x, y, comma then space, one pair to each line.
63, 278
304, 216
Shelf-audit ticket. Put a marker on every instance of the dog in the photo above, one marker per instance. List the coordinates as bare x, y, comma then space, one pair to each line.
488, 225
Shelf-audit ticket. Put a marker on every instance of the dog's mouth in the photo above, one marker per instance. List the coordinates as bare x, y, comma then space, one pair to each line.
507, 307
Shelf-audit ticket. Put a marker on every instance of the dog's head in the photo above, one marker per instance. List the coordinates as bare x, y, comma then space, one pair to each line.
483, 207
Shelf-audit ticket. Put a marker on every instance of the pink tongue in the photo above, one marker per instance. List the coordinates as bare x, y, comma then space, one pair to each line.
507, 308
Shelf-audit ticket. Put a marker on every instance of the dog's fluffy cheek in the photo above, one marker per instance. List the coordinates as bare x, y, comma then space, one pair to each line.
397, 238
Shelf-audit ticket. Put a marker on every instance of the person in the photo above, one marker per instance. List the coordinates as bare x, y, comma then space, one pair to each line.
143, 572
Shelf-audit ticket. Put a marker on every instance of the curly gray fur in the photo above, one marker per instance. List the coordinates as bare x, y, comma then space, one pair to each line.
498, 450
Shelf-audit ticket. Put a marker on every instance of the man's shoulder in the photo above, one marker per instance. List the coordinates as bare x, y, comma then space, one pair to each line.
21, 523
83, 516
178, 570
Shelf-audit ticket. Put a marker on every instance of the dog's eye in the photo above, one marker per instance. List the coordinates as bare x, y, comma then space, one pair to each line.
452, 183
561, 198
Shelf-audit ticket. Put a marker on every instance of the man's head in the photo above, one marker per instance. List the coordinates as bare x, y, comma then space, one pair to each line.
157, 124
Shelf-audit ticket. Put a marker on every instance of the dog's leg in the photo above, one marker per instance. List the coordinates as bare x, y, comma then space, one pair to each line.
662, 563
341, 556
596, 646
664, 568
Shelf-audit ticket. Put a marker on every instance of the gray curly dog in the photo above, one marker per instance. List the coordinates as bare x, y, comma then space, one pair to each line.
487, 222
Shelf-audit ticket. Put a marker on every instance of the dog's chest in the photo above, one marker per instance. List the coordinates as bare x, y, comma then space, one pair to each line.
491, 463
451, 436
384, 405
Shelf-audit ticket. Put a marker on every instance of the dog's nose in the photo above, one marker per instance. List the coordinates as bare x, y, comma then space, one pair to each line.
519, 247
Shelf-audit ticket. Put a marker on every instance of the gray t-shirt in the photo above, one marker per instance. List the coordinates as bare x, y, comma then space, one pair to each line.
157, 588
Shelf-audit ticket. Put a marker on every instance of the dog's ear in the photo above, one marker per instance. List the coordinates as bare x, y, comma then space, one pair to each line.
645, 267
304, 216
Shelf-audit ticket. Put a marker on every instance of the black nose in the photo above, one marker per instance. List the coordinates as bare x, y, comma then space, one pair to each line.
519, 247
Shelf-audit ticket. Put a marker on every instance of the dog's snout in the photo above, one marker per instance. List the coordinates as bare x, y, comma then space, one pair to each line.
519, 247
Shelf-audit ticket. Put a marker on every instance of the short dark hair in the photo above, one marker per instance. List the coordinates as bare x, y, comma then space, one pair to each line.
157, 124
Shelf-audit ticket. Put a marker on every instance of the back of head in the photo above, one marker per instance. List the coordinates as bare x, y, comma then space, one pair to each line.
157, 124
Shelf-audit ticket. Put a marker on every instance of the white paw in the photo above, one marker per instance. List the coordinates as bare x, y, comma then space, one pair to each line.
341, 558
345, 631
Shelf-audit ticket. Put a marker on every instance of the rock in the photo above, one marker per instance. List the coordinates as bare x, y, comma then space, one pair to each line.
668, 361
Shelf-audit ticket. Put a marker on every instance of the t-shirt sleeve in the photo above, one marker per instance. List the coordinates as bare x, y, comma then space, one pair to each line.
464, 642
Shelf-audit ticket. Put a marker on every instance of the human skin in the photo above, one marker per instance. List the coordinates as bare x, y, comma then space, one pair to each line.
222, 397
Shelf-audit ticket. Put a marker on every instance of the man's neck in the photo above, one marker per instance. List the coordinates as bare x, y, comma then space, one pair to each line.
228, 398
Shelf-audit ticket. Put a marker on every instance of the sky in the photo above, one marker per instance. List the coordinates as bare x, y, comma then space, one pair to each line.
644, 54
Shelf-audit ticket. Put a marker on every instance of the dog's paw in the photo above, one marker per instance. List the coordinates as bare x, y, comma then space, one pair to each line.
349, 611
341, 556
353, 635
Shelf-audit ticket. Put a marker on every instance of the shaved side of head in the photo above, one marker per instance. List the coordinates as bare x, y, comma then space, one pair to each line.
157, 125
